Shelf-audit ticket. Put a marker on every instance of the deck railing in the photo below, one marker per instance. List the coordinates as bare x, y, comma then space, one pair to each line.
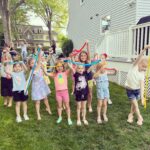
125, 43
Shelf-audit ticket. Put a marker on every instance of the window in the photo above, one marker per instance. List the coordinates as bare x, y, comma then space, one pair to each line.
105, 23
82, 2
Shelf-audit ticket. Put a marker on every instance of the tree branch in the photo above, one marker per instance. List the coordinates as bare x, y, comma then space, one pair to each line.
16, 6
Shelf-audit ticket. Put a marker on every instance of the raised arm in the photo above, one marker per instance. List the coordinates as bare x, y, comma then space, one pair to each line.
112, 71
88, 51
142, 91
24, 67
141, 54
71, 68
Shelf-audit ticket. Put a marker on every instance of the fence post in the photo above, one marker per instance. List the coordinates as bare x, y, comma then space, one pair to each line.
130, 47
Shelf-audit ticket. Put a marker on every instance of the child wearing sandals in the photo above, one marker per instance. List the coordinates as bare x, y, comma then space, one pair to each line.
135, 86
61, 87
102, 86
19, 97
6, 80
40, 89
81, 92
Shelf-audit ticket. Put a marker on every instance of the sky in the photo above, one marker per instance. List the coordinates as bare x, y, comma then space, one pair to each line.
35, 20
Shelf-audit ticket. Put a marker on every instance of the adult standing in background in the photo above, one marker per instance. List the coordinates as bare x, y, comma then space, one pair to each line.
53, 46
24, 52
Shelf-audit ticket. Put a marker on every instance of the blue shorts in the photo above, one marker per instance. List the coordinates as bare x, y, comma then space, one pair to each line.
133, 94
103, 93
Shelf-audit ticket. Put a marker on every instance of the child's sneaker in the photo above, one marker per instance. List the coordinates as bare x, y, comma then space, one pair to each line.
26, 117
99, 121
130, 118
18, 119
105, 118
85, 122
59, 120
109, 101
69, 122
78, 123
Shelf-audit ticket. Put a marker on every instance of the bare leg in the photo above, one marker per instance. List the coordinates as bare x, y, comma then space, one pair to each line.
47, 106
137, 111
37, 106
99, 108
59, 109
5, 101
83, 107
67, 109
105, 110
90, 100
18, 109
78, 113
24, 104
10, 101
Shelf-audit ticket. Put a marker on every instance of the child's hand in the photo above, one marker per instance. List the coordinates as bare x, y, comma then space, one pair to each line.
142, 101
146, 47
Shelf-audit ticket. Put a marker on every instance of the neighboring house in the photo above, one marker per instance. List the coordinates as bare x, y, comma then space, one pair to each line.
33, 35
110, 26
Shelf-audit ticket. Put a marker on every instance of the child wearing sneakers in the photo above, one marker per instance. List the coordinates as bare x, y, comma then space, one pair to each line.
135, 86
19, 82
102, 86
61, 87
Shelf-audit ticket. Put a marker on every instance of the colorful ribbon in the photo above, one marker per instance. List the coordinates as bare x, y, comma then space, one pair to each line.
82, 64
146, 84
31, 73
12, 63
76, 51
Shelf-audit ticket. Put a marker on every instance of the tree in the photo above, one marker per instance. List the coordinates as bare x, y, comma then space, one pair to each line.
6, 12
51, 12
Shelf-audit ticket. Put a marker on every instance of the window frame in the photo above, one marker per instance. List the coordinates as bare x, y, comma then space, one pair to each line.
101, 18
82, 2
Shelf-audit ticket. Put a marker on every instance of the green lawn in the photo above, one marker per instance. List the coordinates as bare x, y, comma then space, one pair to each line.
117, 134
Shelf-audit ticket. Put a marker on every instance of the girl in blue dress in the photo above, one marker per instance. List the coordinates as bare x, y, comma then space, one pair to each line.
102, 86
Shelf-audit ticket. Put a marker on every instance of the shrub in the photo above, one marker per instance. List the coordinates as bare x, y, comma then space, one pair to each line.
67, 47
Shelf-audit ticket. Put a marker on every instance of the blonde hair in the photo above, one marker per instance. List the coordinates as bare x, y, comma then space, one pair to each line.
98, 69
59, 62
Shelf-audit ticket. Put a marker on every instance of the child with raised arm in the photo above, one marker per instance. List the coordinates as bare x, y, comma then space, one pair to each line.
6, 80
19, 82
84, 57
40, 89
61, 87
135, 86
102, 86
81, 92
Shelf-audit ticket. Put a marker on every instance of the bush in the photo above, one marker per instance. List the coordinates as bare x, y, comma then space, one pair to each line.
67, 47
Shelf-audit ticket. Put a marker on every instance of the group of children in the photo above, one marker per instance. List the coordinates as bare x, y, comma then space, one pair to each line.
83, 76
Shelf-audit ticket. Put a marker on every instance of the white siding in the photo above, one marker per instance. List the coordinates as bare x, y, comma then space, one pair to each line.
81, 27
143, 9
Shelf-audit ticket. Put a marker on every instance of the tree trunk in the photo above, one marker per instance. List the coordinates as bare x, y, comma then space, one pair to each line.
7, 27
49, 31
6, 21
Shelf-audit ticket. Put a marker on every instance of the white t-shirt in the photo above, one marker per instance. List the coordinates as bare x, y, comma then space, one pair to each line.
134, 77
19, 81
24, 48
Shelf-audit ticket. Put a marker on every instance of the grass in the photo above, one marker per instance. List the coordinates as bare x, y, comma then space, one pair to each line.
117, 134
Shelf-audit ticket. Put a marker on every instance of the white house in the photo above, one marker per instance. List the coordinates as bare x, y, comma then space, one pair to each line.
111, 27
